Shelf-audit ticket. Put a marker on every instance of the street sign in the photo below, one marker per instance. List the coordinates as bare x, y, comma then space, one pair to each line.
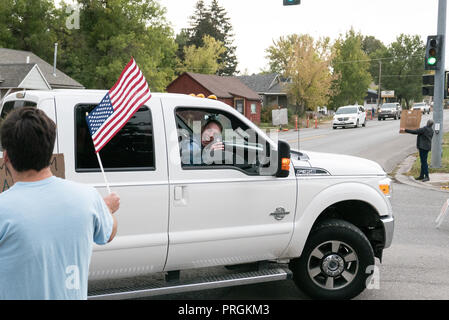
387, 94
279, 116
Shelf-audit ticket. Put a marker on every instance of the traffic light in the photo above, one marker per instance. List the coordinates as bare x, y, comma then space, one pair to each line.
433, 53
291, 2
428, 83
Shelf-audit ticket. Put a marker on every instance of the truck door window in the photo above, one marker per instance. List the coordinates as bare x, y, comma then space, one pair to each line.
132, 148
199, 129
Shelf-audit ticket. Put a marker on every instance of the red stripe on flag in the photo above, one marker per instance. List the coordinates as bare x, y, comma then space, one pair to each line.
123, 72
125, 83
118, 110
118, 101
120, 127
119, 116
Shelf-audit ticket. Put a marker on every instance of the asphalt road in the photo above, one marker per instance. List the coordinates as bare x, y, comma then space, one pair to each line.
379, 140
415, 266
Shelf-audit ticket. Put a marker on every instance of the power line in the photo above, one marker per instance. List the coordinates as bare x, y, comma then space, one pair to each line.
379, 59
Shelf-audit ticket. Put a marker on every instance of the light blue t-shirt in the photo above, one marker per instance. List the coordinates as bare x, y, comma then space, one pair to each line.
47, 229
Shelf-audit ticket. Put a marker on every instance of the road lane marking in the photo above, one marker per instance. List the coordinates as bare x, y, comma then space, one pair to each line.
307, 138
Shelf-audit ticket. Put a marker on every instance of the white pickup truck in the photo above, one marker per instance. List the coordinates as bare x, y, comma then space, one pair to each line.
318, 218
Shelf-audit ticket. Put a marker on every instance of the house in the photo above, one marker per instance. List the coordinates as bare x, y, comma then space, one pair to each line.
371, 97
270, 87
24, 70
229, 90
20, 76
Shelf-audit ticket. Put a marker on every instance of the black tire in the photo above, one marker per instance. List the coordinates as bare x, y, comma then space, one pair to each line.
378, 119
357, 124
334, 128
325, 235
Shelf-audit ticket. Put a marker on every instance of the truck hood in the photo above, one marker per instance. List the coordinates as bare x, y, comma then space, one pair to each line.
337, 164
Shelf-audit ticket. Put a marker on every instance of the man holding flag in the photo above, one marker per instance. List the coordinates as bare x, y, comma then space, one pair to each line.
48, 224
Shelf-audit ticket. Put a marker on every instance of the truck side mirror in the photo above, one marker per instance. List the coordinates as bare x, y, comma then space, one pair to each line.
283, 169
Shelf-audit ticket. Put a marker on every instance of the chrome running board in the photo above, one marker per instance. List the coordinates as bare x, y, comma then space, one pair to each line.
155, 288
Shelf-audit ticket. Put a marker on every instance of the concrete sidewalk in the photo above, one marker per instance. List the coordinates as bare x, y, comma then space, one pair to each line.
438, 181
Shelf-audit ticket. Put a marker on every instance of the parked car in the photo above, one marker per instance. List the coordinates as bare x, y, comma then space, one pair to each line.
349, 116
389, 110
178, 215
424, 107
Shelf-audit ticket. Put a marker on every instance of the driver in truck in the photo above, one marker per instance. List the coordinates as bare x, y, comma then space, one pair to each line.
191, 150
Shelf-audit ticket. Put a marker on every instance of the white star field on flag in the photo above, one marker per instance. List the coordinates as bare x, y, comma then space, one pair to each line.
99, 115
129, 93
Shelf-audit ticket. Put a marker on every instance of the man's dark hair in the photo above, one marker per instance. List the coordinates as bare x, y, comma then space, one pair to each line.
28, 136
215, 122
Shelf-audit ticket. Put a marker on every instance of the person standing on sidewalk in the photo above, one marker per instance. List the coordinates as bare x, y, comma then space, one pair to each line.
47, 224
424, 144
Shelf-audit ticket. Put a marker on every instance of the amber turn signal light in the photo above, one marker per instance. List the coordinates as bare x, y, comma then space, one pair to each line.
285, 164
385, 188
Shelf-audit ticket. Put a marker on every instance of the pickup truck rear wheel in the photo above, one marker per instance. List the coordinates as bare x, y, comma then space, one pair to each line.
334, 261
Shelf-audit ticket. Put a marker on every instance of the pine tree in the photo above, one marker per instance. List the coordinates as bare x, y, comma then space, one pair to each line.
213, 21
224, 34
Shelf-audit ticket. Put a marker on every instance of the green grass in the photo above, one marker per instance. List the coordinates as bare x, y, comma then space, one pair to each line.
416, 168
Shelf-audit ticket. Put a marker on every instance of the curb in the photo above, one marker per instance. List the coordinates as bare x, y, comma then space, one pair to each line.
404, 167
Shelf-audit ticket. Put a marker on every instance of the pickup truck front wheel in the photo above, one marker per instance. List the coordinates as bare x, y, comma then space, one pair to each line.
334, 262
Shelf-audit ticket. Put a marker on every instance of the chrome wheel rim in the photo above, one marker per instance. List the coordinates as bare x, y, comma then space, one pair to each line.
333, 265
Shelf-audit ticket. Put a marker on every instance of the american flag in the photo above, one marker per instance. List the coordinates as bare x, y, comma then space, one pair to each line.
128, 94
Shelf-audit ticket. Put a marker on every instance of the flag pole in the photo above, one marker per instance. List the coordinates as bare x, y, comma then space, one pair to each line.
102, 171
101, 167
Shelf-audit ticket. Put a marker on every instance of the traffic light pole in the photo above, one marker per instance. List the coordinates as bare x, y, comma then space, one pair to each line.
439, 90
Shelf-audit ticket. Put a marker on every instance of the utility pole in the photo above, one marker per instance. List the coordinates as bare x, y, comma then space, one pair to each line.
380, 80
439, 90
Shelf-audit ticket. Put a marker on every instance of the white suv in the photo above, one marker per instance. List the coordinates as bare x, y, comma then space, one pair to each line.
349, 116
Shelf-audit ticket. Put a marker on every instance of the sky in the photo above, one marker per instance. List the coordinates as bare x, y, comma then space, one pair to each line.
257, 23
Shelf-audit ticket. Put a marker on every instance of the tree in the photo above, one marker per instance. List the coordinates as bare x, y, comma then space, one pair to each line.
221, 21
350, 66
113, 31
280, 53
373, 48
306, 63
213, 21
204, 59
27, 25
402, 67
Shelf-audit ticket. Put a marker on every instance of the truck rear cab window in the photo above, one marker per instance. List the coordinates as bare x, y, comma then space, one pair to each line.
11, 105
132, 148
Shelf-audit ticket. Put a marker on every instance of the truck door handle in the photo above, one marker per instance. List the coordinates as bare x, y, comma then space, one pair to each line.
279, 213
178, 193
180, 196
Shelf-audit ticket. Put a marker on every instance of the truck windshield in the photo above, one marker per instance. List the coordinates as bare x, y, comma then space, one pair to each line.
346, 110
388, 106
